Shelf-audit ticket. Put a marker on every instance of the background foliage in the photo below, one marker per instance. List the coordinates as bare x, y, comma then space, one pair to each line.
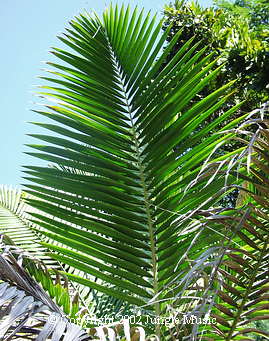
239, 33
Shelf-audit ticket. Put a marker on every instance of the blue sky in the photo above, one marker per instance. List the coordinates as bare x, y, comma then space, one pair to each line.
28, 30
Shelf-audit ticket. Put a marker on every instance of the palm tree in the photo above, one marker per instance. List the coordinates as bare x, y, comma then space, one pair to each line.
134, 214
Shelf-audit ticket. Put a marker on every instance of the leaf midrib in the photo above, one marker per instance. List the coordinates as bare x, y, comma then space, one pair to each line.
141, 171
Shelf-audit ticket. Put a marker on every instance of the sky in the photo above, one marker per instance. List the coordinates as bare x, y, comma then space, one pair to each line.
28, 29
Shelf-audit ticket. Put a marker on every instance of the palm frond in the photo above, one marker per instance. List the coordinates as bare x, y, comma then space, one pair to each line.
14, 221
243, 273
26, 310
137, 142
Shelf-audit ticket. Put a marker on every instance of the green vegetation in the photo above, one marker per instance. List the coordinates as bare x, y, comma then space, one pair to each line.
144, 142
239, 33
